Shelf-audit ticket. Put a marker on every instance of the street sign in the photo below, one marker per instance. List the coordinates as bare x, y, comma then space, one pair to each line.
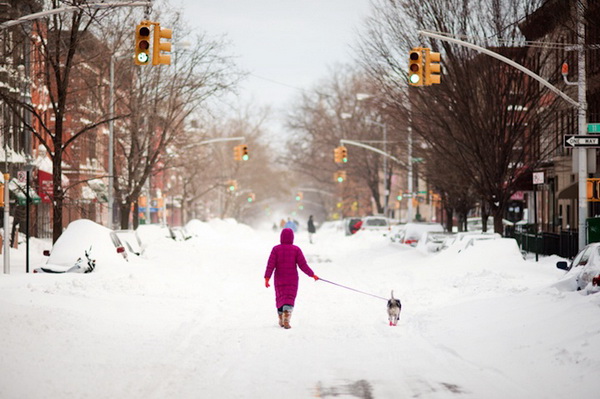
22, 176
593, 127
572, 141
538, 177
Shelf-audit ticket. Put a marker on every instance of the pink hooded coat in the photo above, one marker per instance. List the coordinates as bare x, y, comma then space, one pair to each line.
283, 260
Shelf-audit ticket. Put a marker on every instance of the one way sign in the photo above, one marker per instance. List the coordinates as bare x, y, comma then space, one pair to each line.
572, 140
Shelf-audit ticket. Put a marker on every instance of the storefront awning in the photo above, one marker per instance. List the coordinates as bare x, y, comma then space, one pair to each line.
19, 191
570, 192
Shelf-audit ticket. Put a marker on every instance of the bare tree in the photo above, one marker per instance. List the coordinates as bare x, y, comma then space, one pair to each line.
486, 120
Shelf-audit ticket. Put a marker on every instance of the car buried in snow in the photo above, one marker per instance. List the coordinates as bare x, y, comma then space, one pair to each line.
84, 239
583, 273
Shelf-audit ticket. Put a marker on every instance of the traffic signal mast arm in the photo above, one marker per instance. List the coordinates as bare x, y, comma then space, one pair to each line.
377, 150
503, 59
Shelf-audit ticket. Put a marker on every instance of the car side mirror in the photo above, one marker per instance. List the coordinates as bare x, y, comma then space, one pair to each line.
46, 252
562, 265
120, 250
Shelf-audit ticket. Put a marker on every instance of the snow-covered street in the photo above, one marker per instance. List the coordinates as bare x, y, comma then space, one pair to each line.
192, 319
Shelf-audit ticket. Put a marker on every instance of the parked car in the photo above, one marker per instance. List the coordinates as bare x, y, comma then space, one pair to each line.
83, 236
412, 232
376, 223
432, 241
583, 273
463, 240
130, 240
396, 231
349, 224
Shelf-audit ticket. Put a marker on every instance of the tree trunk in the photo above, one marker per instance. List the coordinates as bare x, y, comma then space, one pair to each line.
124, 212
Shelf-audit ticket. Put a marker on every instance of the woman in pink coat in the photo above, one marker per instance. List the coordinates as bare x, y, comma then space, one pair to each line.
283, 260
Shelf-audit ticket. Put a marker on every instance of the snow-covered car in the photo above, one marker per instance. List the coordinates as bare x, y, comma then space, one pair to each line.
432, 241
462, 241
79, 237
130, 240
376, 223
413, 231
584, 271
350, 224
396, 232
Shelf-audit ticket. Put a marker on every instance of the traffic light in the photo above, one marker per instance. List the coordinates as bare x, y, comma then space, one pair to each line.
159, 46
231, 186
344, 154
240, 152
415, 67
340, 154
432, 68
251, 197
299, 196
142, 43
399, 196
339, 176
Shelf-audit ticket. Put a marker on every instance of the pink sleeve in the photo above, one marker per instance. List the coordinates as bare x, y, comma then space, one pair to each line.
272, 262
301, 261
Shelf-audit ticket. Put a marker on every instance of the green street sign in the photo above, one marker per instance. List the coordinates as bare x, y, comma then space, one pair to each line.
593, 127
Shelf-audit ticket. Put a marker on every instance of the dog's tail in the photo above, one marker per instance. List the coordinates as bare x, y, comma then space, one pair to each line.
393, 295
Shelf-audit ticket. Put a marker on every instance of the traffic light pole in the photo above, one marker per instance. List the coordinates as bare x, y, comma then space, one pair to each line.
580, 105
93, 6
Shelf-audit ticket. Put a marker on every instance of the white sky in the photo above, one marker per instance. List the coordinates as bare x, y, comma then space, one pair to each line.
292, 42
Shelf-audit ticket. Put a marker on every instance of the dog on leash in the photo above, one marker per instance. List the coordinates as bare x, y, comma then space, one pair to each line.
393, 308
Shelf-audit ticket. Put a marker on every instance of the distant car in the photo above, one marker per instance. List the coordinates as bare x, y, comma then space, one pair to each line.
461, 241
81, 236
583, 273
432, 241
349, 224
396, 231
376, 223
130, 240
413, 231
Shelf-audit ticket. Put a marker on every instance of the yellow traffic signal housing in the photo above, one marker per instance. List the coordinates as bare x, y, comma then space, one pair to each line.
142, 43
340, 154
237, 153
432, 68
337, 156
251, 197
344, 154
415, 67
1, 195
244, 152
159, 46
299, 196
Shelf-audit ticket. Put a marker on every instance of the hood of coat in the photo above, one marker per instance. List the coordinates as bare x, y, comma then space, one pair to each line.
287, 236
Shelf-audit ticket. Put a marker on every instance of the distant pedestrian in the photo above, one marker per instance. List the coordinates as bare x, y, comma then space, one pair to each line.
284, 260
291, 225
311, 228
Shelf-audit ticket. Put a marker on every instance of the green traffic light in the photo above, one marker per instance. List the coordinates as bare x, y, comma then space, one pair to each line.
340, 179
231, 188
249, 199
143, 57
245, 157
344, 160
414, 78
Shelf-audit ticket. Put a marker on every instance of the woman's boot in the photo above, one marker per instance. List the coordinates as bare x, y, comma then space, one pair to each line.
280, 319
287, 315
